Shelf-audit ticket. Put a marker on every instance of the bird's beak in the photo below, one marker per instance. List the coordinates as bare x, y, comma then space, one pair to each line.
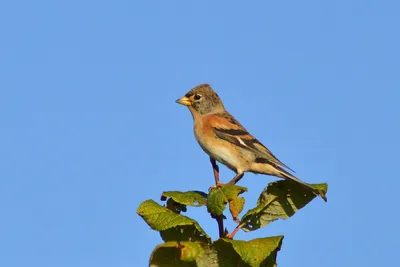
184, 101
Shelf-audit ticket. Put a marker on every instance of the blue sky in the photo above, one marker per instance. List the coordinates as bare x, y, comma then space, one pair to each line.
89, 127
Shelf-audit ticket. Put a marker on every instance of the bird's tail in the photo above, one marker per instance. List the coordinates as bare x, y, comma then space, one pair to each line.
275, 170
286, 175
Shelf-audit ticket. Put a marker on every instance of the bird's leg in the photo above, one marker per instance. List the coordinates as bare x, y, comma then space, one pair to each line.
216, 171
236, 178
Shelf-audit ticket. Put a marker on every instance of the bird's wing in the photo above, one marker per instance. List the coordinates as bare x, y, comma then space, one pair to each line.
226, 127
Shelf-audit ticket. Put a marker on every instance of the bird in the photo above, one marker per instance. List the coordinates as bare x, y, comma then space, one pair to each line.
226, 141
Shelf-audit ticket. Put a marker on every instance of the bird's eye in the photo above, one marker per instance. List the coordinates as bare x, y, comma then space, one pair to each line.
197, 97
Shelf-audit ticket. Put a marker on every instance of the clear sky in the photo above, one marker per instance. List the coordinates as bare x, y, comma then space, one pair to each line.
89, 126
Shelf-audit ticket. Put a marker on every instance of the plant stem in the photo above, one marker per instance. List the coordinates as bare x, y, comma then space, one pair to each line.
220, 221
237, 228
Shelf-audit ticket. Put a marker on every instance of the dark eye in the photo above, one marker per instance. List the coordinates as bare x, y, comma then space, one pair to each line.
197, 97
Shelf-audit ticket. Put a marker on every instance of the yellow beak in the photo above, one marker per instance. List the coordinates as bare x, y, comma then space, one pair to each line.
184, 101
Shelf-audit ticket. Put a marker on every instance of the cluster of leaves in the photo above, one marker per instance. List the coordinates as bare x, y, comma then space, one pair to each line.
187, 244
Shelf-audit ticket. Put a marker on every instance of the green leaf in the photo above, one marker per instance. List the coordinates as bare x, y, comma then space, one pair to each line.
172, 226
226, 255
236, 207
280, 199
260, 252
184, 233
183, 254
175, 206
209, 258
189, 198
190, 250
322, 189
218, 197
171, 254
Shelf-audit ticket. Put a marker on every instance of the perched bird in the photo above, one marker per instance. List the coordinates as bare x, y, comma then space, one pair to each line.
225, 140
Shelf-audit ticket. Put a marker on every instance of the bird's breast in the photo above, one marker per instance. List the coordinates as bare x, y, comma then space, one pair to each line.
220, 150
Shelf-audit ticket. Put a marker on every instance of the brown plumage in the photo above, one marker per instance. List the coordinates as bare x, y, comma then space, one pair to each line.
225, 140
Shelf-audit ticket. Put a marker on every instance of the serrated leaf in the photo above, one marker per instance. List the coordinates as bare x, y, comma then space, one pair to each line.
172, 226
280, 200
260, 252
189, 198
218, 197
236, 207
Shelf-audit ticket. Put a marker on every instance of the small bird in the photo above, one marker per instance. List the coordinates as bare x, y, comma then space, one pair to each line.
225, 140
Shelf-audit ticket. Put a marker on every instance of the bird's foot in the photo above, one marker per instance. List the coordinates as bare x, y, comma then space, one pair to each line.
218, 185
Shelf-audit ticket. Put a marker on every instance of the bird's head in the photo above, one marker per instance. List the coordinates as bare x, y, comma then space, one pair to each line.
202, 99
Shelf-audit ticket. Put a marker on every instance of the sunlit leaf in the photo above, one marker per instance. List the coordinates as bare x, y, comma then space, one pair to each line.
280, 200
189, 198
260, 252
218, 197
172, 226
